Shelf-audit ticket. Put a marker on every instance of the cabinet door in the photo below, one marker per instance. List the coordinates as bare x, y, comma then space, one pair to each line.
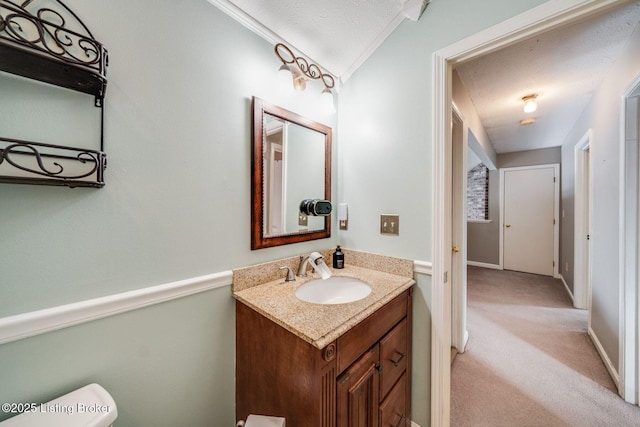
359, 391
393, 409
393, 357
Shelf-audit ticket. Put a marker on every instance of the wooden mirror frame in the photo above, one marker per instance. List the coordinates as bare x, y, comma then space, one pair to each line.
258, 238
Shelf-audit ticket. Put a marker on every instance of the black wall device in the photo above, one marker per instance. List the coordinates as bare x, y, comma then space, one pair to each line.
315, 207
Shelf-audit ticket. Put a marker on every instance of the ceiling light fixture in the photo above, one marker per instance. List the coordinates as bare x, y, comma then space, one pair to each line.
530, 103
296, 70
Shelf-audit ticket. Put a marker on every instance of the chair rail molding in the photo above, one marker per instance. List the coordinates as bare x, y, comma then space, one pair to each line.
17, 327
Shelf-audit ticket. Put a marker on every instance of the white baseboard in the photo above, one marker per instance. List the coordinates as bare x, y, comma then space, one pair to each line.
605, 358
567, 288
13, 328
484, 265
414, 424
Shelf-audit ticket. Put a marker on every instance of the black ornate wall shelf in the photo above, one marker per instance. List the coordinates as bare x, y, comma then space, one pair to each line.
46, 41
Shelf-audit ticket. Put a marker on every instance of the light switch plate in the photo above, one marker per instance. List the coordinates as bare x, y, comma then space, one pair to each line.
390, 225
303, 220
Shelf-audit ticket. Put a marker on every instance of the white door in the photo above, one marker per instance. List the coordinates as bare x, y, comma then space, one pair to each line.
458, 234
529, 209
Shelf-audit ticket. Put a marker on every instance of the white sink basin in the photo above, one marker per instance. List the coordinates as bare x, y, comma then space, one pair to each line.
334, 290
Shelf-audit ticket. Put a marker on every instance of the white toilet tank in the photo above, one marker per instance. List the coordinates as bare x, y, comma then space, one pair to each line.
89, 406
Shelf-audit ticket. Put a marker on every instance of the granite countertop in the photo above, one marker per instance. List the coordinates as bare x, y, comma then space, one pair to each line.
321, 324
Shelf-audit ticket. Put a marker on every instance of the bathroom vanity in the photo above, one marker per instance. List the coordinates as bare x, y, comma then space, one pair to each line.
326, 365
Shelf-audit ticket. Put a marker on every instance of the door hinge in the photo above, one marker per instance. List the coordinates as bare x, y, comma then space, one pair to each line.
554, 221
554, 263
588, 237
554, 179
446, 276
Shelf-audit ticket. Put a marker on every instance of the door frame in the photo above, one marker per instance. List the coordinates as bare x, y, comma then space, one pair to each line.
547, 16
583, 211
629, 239
556, 210
459, 333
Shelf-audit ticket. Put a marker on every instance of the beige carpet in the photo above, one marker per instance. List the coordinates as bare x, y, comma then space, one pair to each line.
529, 360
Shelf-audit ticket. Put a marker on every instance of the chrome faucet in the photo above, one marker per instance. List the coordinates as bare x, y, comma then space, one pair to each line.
302, 267
290, 276
317, 262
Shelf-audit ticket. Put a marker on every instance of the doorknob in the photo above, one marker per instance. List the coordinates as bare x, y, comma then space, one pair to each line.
507, 225
455, 249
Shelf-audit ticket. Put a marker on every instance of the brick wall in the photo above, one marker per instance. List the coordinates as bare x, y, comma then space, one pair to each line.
478, 193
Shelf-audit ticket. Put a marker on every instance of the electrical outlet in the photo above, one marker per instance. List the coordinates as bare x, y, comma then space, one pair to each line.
390, 225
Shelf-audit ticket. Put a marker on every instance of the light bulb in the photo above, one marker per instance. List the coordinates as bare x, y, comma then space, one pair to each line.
285, 79
530, 104
326, 101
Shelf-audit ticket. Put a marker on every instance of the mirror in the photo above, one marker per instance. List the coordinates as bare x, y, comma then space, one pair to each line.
291, 162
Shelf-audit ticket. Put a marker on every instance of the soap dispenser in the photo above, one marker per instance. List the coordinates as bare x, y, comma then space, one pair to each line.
338, 258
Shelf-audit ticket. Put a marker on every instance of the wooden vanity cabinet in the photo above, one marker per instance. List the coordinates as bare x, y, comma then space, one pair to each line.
362, 379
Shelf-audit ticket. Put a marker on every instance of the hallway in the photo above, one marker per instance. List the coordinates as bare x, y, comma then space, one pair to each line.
529, 360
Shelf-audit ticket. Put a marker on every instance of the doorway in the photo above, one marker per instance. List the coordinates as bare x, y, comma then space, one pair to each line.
528, 24
629, 244
582, 223
459, 334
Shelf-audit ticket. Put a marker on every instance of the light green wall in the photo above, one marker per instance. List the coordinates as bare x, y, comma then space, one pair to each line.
603, 116
176, 205
170, 364
385, 128
421, 351
386, 131
177, 135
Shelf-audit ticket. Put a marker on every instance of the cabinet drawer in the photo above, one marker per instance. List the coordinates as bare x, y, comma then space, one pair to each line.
393, 357
393, 410
364, 335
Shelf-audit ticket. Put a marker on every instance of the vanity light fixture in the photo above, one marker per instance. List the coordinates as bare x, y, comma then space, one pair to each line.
530, 103
296, 70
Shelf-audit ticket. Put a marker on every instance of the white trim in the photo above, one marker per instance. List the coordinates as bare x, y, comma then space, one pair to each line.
605, 358
459, 230
629, 229
423, 267
13, 328
566, 287
484, 265
441, 243
248, 22
556, 211
542, 18
414, 424
479, 221
546, 16
583, 173
260, 30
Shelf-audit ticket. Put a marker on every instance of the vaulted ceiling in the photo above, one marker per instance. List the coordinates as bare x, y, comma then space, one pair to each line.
339, 35
563, 67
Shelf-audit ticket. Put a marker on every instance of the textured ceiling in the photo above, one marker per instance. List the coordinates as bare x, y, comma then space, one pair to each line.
564, 67
336, 34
